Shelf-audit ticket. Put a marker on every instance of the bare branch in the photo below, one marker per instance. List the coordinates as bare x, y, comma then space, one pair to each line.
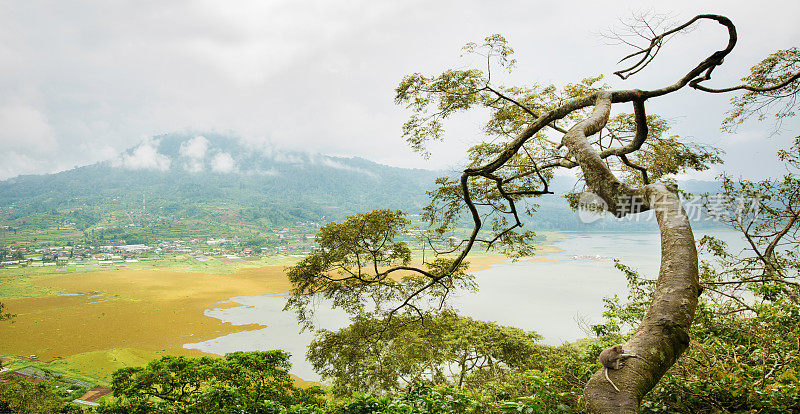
787, 82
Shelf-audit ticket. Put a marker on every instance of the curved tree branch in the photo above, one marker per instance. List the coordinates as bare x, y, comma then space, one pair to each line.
663, 335
611, 190
791, 79
521, 106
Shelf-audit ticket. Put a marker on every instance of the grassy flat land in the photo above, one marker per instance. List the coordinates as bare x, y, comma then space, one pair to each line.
130, 316
147, 312
22, 282
87, 322
150, 309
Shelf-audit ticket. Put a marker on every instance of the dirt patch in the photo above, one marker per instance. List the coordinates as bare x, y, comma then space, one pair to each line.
95, 393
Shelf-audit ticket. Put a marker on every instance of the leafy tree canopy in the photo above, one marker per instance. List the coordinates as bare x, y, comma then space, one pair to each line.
346, 268
379, 356
241, 382
20, 395
618, 157
4, 315
360, 265
770, 89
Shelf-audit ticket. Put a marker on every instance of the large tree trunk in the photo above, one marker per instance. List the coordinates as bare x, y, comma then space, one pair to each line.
663, 334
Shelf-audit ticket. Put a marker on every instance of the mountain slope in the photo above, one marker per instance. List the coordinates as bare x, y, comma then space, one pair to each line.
181, 185
183, 179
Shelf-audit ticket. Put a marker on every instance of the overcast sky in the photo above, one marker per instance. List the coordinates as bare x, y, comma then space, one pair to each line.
82, 81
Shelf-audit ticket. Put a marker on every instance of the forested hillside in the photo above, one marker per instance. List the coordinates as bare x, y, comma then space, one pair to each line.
179, 183
185, 185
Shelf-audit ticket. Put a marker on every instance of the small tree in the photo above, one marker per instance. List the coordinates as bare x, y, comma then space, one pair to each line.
448, 349
4, 315
19, 395
244, 381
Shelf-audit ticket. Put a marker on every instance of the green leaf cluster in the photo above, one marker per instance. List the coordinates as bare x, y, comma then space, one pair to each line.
775, 69
496, 203
381, 356
20, 395
361, 266
241, 382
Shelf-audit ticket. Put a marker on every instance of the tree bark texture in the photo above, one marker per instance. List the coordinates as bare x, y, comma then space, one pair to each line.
663, 334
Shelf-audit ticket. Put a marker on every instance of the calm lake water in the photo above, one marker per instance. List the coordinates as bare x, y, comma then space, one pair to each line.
548, 294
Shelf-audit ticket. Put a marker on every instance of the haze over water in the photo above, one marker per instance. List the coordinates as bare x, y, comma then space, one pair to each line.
548, 294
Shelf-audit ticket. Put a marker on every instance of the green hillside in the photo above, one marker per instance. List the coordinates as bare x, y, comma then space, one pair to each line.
257, 190
185, 185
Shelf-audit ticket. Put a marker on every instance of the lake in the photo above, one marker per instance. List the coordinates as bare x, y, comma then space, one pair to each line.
549, 294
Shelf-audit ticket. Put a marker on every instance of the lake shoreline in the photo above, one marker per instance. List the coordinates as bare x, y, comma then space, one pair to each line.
160, 309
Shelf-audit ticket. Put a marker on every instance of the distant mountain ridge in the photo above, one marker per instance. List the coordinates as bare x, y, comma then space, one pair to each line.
183, 184
210, 177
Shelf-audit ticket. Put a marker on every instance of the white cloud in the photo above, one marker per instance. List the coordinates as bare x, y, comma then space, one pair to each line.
270, 172
25, 128
195, 147
195, 150
223, 163
271, 151
193, 166
328, 162
99, 150
319, 76
15, 163
280, 156
144, 157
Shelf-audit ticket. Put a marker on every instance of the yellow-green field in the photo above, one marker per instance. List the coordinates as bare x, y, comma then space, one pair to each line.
86, 323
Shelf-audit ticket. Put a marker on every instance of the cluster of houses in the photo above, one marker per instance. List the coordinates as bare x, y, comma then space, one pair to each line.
69, 256
121, 255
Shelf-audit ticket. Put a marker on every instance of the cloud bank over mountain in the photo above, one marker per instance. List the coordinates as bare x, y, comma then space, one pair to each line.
202, 176
225, 155
144, 157
83, 81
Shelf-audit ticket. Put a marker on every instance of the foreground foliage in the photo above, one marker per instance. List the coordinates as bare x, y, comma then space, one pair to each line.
241, 382
526, 143
44, 395
379, 356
